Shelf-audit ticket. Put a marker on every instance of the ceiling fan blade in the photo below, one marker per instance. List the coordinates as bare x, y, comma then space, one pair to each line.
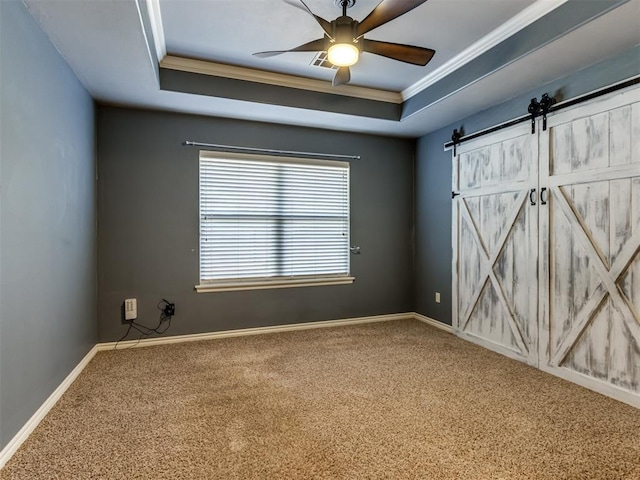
326, 26
295, 4
319, 45
396, 51
342, 76
386, 11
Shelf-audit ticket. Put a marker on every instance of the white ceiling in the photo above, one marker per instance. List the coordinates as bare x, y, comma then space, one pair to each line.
229, 31
104, 42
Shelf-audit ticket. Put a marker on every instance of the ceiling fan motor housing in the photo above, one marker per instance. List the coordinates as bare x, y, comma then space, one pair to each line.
344, 30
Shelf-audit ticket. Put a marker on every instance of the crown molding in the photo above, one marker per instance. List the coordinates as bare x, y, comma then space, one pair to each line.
157, 30
523, 19
259, 76
520, 21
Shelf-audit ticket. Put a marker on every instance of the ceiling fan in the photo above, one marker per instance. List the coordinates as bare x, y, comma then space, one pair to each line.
344, 38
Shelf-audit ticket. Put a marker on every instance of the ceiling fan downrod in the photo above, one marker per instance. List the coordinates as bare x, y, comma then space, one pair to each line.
344, 5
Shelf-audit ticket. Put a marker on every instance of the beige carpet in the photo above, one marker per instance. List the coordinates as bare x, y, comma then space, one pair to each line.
389, 400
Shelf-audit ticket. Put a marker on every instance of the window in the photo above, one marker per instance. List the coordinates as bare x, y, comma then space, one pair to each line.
270, 222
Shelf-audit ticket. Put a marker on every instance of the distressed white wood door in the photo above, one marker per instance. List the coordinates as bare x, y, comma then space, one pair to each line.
495, 242
590, 246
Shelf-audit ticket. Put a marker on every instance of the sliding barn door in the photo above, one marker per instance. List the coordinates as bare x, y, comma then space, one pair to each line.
590, 245
495, 242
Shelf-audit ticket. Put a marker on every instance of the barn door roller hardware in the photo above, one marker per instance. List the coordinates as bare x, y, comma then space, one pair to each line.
544, 106
536, 108
455, 138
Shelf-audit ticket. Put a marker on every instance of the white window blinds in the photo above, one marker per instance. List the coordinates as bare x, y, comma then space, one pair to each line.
265, 219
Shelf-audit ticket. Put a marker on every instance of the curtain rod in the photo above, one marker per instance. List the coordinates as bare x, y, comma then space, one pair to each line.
553, 108
268, 151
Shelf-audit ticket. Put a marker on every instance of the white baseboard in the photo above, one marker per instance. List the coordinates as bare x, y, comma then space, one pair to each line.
13, 445
25, 431
148, 342
598, 386
432, 322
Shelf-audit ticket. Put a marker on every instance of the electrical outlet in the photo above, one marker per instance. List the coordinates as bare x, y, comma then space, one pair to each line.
130, 309
437, 297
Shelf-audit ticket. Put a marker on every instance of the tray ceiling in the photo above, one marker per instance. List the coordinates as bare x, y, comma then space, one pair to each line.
487, 51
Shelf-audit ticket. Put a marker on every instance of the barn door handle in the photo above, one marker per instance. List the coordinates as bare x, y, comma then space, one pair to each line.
531, 197
543, 199
454, 194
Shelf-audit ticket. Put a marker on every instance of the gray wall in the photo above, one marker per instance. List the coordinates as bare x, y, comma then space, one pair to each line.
48, 219
148, 221
433, 176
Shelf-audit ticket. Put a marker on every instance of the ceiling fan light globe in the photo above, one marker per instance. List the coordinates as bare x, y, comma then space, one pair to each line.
343, 54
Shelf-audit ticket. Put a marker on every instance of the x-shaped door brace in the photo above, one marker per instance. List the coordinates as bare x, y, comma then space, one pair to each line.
609, 278
488, 260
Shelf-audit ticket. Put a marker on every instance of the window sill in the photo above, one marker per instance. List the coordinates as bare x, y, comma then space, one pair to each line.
263, 285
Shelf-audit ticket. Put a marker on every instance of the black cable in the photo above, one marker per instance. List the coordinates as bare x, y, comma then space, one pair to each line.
122, 337
148, 331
